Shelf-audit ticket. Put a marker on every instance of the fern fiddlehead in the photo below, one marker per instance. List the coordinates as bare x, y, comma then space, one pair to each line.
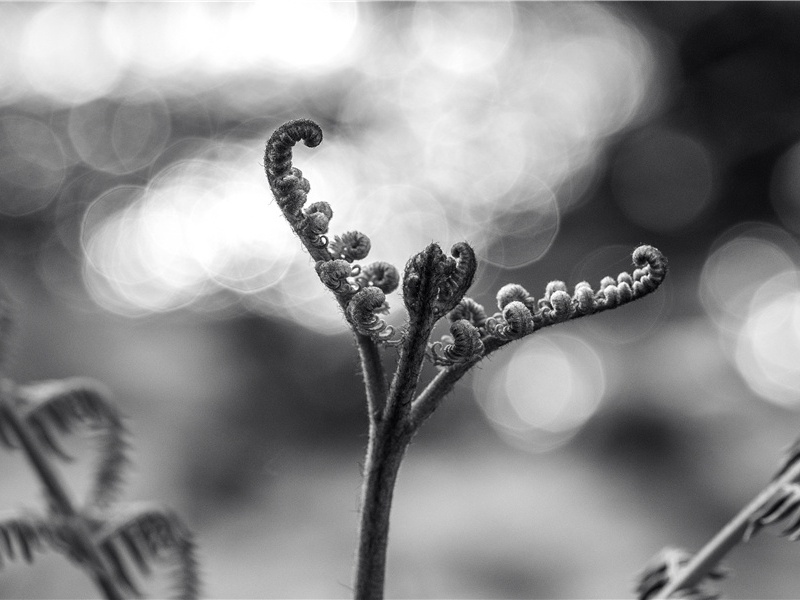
433, 286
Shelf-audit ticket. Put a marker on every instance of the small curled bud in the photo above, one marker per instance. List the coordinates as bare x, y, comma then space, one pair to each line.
459, 274
516, 322
470, 310
382, 275
554, 286
625, 277
584, 298
512, 292
625, 292
351, 246
464, 345
607, 281
562, 305
320, 207
292, 201
315, 225
362, 313
421, 278
334, 274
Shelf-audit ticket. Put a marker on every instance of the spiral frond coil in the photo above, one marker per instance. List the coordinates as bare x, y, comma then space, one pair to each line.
336, 275
463, 345
287, 183
515, 322
351, 246
558, 306
363, 310
470, 310
438, 282
381, 274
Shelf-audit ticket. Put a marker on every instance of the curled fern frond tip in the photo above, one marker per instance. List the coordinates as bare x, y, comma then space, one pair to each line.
288, 185
463, 346
380, 274
335, 275
362, 312
511, 292
470, 310
351, 246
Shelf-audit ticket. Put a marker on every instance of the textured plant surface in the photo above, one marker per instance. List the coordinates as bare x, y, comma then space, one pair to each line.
98, 535
434, 284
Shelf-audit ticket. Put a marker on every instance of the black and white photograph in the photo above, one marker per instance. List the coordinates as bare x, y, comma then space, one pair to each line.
315, 299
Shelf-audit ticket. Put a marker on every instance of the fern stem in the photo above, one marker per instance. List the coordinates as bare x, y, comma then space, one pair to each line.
431, 397
384, 455
729, 536
374, 377
60, 501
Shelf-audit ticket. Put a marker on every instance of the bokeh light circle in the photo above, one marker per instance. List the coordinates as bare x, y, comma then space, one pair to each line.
520, 227
540, 392
120, 137
768, 346
464, 38
65, 55
740, 261
32, 165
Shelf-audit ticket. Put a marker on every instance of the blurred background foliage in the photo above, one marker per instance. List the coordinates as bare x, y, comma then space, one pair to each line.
140, 246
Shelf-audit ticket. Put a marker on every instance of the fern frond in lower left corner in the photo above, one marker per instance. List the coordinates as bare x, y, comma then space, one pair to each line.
98, 535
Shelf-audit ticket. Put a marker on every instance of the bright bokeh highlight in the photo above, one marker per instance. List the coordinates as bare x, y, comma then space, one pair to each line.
451, 122
538, 393
769, 341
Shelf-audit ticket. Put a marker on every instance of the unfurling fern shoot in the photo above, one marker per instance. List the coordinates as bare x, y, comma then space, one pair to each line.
434, 285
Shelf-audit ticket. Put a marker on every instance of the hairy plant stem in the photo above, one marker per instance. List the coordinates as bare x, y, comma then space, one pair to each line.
384, 455
374, 377
729, 536
60, 502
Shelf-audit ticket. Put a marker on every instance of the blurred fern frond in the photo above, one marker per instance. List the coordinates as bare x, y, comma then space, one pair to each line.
22, 535
664, 566
145, 533
783, 506
61, 407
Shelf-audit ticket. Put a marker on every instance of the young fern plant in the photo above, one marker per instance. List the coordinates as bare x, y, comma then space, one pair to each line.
675, 573
97, 535
434, 285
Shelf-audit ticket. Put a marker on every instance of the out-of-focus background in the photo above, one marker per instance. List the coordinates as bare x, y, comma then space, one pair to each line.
140, 246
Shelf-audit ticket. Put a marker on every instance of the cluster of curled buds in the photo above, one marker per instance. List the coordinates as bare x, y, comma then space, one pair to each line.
521, 314
360, 290
473, 333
